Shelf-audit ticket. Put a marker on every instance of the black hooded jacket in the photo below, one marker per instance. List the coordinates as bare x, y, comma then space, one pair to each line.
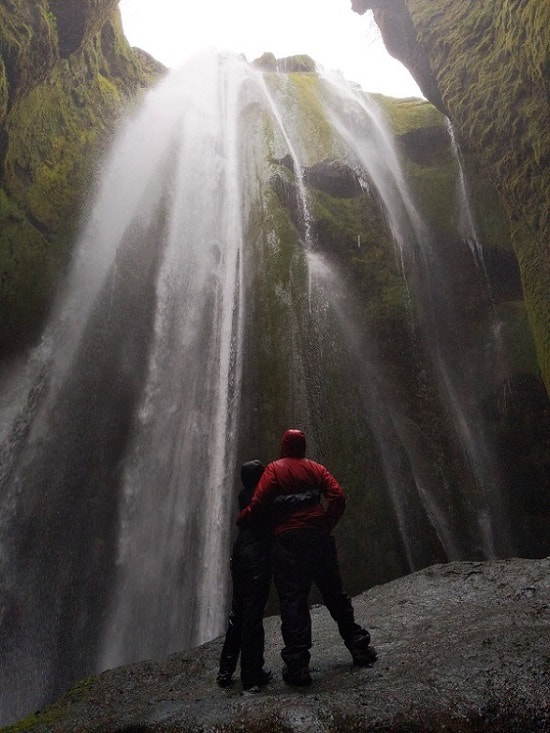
256, 538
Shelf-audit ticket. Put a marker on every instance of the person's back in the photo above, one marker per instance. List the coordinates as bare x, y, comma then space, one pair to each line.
295, 486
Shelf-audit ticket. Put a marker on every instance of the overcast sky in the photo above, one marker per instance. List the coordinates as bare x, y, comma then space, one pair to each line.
328, 30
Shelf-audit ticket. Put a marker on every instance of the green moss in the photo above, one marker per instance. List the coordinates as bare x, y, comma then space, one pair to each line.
27, 275
315, 125
535, 273
27, 43
278, 284
491, 62
4, 91
7, 208
43, 719
355, 234
53, 144
516, 338
57, 118
406, 115
52, 20
301, 94
430, 164
435, 195
36, 721
491, 220
338, 220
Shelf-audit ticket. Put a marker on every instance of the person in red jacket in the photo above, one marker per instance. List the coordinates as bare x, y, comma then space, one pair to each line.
307, 502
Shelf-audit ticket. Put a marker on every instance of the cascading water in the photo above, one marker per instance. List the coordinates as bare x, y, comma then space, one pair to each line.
133, 443
123, 432
429, 279
175, 538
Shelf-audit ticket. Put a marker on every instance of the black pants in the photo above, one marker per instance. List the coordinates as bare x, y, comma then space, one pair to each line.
301, 557
251, 574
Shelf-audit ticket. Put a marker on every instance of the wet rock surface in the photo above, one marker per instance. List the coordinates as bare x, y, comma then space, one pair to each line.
463, 646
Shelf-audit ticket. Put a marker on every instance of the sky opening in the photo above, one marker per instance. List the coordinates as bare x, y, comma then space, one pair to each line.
327, 30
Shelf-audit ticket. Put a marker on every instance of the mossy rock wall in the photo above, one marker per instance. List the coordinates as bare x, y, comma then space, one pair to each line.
487, 66
350, 230
67, 74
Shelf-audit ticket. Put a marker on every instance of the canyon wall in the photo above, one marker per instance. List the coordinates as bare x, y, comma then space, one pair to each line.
66, 75
487, 67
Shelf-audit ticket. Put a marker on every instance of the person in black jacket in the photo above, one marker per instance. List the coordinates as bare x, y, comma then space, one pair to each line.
251, 574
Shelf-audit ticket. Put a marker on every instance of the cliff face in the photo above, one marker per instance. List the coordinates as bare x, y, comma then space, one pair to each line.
66, 72
487, 67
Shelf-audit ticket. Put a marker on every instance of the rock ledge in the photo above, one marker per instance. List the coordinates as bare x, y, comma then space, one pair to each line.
462, 647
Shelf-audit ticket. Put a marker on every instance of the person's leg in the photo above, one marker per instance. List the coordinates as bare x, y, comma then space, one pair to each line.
329, 581
255, 597
232, 643
292, 573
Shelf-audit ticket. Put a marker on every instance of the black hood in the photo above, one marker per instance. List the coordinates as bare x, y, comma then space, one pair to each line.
251, 472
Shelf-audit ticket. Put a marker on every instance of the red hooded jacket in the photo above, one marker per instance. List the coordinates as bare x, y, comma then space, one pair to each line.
293, 474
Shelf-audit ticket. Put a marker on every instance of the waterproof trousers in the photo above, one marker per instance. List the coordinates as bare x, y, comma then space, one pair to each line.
300, 557
251, 575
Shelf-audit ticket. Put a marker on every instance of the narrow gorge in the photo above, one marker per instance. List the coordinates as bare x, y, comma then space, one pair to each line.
264, 245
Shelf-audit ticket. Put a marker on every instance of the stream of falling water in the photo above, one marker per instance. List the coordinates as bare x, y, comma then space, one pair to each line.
172, 558
430, 286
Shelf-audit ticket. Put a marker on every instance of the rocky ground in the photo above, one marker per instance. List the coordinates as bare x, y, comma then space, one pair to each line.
462, 647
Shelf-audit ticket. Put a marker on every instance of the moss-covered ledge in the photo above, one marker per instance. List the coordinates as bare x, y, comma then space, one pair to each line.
487, 67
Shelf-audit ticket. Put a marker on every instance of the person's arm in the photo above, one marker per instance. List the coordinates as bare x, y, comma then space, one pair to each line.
262, 498
336, 500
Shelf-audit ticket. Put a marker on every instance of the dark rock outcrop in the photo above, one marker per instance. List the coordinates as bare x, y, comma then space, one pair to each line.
290, 64
463, 648
487, 67
334, 178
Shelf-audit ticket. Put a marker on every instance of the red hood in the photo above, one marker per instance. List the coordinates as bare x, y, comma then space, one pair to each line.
293, 444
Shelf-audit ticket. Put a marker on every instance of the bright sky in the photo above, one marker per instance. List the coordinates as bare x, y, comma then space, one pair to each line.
328, 30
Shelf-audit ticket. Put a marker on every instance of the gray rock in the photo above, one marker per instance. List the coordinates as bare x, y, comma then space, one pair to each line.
462, 647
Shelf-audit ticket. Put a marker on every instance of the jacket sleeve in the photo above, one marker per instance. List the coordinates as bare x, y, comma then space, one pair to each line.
335, 498
263, 496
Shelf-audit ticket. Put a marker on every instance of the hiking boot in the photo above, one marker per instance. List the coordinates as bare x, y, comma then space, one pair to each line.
364, 657
298, 677
259, 680
224, 679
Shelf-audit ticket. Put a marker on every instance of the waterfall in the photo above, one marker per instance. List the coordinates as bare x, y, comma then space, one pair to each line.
123, 430
123, 427
466, 220
178, 475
